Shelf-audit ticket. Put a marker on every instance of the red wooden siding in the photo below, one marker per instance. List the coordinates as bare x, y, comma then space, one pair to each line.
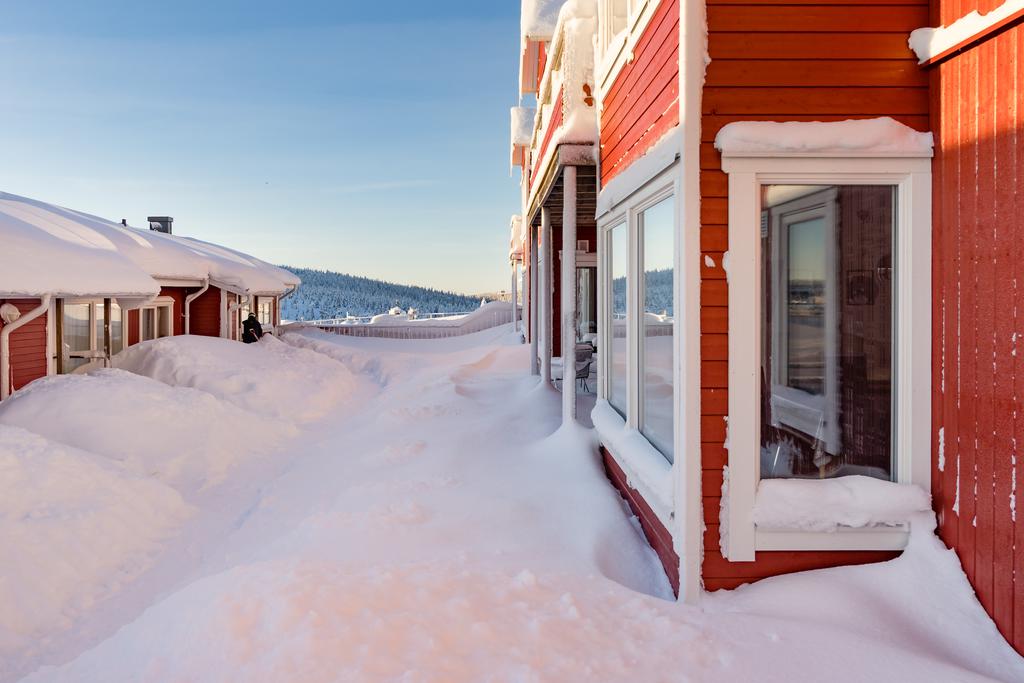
775, 60
204, 314
657, 535
643, 102
178, 312
554, 124
978, 97
133, 327
28, 345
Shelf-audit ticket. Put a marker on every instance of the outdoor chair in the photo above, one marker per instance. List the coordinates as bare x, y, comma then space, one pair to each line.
584, 361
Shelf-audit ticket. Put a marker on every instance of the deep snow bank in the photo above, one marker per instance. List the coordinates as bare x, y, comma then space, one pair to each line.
184, 437
74, 527
270, 378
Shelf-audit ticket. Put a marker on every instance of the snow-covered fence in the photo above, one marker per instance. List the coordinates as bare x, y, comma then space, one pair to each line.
401, 326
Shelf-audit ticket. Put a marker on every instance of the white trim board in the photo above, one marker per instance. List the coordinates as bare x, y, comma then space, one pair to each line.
912, 351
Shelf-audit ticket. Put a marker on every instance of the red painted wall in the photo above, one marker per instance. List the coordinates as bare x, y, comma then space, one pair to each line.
657, 535
779, 61
553, 124
28, 345
643, 102
204, 317
978, 243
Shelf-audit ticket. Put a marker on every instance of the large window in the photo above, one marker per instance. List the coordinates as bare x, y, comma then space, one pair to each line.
829, 334
657, 227
827, 330
82, 333
618, 246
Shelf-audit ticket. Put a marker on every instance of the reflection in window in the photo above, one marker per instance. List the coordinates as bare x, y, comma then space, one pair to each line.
265, 310
77, 341
827, 330
657, 233
116, 329
619, 247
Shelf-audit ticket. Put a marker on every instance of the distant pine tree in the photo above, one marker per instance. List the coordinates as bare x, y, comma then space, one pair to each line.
326, 294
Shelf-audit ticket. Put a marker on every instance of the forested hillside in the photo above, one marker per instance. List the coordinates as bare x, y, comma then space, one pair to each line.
326, 294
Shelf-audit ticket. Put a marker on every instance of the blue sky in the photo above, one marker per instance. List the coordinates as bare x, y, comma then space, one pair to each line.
364, 137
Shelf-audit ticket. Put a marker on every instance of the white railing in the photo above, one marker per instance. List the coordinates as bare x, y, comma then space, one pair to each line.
438, 326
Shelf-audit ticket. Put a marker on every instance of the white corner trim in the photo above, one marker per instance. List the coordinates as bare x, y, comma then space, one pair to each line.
645, 467
928, 43
689, 520
912, 353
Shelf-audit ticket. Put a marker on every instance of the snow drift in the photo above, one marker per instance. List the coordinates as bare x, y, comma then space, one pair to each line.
270, 378
181, 436
74, 527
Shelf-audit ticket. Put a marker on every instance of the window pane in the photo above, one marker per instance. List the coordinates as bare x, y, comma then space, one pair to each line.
619, 244
116, 329
586, 298
77, 338
806, 316
658, 325
163, 316
148, 323
827, 331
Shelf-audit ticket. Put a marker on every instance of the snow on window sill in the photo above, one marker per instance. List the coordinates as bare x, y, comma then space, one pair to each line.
646, 469
852, 513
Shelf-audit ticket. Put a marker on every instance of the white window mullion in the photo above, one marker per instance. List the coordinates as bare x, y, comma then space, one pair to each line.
633, 318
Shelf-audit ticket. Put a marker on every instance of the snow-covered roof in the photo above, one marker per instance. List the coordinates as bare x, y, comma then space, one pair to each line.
861, 137
84, 255
929, 43
538, 18
47, 250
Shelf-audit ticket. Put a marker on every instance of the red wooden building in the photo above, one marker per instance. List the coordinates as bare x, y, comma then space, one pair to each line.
806, 269
78, 289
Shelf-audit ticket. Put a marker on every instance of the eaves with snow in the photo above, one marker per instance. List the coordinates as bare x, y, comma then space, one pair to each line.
49, 249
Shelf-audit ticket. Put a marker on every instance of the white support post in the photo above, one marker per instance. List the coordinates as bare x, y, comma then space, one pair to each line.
515, 296
546, 294
533, 297
569, 295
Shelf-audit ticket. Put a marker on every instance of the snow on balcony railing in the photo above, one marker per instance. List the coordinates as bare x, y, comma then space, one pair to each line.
566, 111
401, 326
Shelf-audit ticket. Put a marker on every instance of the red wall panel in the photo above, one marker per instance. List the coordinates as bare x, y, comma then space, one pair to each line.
978, 230
643, 102
28, 345
204, 316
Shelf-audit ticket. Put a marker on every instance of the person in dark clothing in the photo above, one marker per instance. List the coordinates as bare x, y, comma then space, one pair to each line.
251, 329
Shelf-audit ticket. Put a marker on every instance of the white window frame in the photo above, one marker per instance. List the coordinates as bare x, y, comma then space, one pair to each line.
95, 341
647, 468
911, 175
792, 406
159, 302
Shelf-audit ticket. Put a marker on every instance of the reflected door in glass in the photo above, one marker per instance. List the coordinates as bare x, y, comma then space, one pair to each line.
827, 330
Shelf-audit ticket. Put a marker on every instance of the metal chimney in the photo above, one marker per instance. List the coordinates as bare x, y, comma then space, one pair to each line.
160, 223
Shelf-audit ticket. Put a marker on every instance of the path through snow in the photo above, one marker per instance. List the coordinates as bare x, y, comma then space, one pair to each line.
430, 524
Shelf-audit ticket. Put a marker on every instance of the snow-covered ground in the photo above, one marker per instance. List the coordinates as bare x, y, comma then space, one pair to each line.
329, 508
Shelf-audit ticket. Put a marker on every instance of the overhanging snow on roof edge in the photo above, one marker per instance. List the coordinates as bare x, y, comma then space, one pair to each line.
53, 250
